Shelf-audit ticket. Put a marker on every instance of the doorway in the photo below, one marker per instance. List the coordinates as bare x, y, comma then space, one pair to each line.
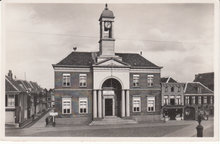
108, 107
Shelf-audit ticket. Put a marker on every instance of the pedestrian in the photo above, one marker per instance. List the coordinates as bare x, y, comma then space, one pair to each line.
46, 120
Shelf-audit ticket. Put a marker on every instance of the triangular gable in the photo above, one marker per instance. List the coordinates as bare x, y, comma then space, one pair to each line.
112, 62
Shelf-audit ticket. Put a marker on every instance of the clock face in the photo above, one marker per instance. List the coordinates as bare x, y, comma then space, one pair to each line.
108, 25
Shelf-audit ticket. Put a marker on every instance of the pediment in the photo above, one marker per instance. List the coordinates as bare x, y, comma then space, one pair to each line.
112, 63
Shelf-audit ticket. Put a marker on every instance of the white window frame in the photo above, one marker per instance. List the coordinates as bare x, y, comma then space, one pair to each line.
187, 99
83, 104
193, 100
150, 80
11, 102
166, 100
211, 100
178, 100
205, 100
136, 102
151, 101
199, 100
82, 80
136, 80
66, 104
66, 79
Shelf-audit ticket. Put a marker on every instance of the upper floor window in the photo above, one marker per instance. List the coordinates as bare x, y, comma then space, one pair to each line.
83, 105
172, 89
150, 104
66, 80
172, 100
211, 100
199, 89
179, 88
66, 105
136, 80
166, 100
166, 89
136, 104
199, 100
193, 99
205, 99
150, 80
11, 101
82, 80
178, 100
187, 100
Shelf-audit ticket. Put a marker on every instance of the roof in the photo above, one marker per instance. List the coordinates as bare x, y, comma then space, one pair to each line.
106, 13
205, 78
192, 88
87, 59
12, 86
167, 80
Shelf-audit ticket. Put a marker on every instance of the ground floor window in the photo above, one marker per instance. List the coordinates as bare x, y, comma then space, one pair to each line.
83, 105
66, 105
136, 104
150, 104
187, 100
205, 99
193, 99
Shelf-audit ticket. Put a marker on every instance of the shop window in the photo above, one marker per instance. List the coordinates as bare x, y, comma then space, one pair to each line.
83, 105
150, 104
66, 105
82, 80
136, 104
66, 80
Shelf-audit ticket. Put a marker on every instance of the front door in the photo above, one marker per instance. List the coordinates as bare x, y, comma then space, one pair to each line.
108, 107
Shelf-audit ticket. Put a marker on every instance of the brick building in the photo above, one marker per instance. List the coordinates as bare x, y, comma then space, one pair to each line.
197, 99
172, 95
91, 86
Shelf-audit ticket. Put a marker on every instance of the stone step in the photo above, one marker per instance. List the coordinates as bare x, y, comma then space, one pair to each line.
113, 121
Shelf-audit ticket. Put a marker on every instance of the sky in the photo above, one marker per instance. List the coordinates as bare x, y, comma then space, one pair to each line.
178, 37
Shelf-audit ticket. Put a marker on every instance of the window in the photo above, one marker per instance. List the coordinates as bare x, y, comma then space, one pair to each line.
11, 100
66, 105
193, 100
66, 80
205, 99
187, 100
136, 80
136, 104
166, 100
211, 100
150, 104
166, 89
150, 79
199, 100
199, 89
178, 100
172, 100
172, 89
83, 105
82, 80
179, 88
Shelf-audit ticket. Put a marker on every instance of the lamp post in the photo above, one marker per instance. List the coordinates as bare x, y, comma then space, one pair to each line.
199, 127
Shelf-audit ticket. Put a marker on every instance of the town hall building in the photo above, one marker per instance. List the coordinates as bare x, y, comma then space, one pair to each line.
92, 86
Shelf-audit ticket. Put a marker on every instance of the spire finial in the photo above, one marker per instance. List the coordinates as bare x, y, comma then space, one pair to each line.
106, 6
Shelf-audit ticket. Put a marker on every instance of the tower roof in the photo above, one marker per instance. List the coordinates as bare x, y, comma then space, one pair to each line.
106, 13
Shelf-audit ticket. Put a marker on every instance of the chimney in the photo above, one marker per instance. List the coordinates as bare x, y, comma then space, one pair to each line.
10, 75
140, 52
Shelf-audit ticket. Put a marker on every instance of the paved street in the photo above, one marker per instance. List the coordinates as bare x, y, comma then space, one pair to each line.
168, 129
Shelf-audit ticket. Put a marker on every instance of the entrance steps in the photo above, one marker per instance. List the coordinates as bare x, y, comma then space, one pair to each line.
113, 120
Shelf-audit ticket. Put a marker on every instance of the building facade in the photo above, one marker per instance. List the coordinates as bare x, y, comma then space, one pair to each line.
90, 86
172, 94
197, 99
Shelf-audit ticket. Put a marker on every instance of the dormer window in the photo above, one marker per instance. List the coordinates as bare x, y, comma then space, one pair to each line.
199, 90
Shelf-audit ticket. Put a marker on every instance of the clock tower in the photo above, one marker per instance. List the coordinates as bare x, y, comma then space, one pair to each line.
107, 41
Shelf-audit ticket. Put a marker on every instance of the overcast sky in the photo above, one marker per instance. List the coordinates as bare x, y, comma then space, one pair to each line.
178, 37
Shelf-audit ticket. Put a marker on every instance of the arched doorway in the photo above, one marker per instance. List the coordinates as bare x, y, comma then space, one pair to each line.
111, 97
